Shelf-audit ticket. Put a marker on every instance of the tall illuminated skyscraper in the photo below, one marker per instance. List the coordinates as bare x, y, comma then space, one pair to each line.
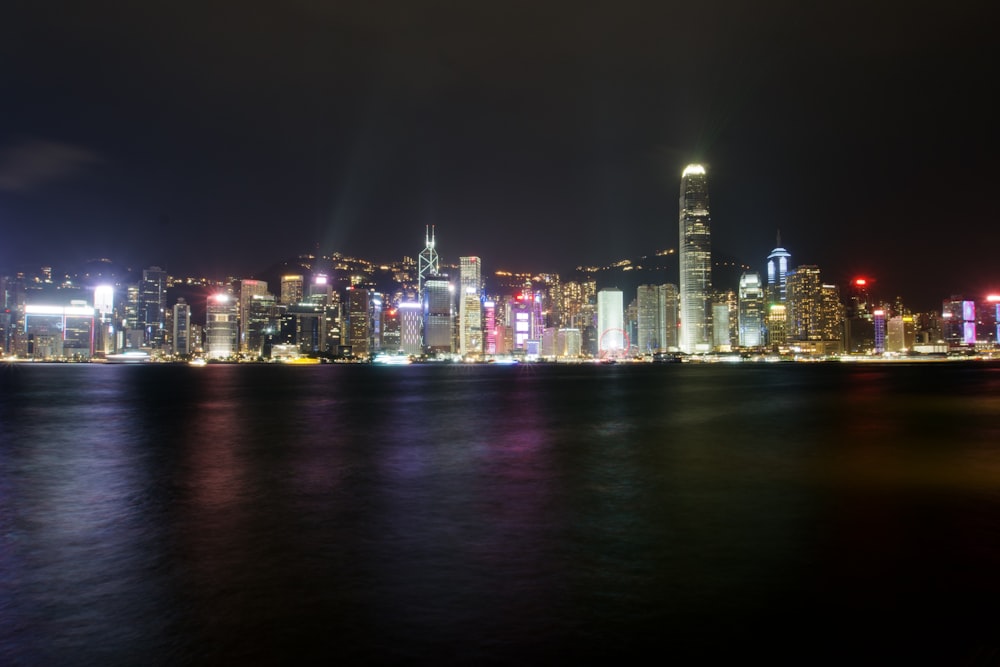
438, 292
611, 339
220, 326
470, 312
427, 260
152, 311
248, 290
777, 270
182, 328
695, 261
751, 310
291, 289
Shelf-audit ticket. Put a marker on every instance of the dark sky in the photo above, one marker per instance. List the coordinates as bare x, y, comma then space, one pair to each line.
221, 137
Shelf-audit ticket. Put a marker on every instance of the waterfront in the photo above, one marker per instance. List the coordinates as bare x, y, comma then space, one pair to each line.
522, 514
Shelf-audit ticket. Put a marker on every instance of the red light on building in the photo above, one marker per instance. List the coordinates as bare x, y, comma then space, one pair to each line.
860, 282
993, 298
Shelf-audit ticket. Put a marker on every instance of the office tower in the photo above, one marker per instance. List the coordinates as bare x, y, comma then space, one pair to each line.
569, 343
831, 315
182, 328
375, 316
221, 333
751, 310
470, 315
248, 290
359, 328
261, 325
104, 304
901, 334
391, 335
878, 319
438, 313
611, 339
777, 323
410, 323
320, 290
777, 272
152, 305
803, 298
524, 318
427, 260
720, 327
695, 261
291, 289
648, 319
490, 327
670, 307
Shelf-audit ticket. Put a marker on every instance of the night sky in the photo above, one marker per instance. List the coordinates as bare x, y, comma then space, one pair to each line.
218, 138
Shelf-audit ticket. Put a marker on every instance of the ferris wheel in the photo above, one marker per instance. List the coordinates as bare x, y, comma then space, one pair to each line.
613, 344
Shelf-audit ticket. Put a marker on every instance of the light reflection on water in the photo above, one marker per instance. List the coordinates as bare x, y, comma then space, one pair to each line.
253, 513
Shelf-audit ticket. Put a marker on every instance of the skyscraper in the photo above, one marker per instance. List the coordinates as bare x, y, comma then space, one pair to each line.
649, 322
291, 289
182, 328
438, 292
470, 333
751, 305
248, 290
220, 326
152, 305
695, 261
777, 269
611, 339
427, 260
359, 323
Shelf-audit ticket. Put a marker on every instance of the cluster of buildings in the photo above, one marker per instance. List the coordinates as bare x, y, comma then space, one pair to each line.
335, 307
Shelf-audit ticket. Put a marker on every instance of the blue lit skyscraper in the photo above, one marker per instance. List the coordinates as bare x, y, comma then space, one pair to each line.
777, 269
695, 261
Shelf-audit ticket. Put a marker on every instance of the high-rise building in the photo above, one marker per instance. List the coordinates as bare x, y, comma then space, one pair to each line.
152, 306
221, 331
410, 324
611, 339
656, 318
248, 290
803, 296
695, 261
901, 334
359, 328
261, 326
490, 327
470, 313
751, 310
438, 314
291, 289
649, 320
777, 272
182, 328
777, 323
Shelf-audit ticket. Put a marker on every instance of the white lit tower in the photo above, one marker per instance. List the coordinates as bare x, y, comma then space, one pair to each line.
612, 340
695, 261
470, 312
427, 260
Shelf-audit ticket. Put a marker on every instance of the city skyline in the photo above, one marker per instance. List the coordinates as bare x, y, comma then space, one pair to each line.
536, 137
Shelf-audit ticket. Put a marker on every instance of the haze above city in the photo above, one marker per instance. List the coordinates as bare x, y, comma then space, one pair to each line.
219, 138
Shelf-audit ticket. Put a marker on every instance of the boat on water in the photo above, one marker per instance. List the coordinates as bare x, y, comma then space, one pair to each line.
129, 357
